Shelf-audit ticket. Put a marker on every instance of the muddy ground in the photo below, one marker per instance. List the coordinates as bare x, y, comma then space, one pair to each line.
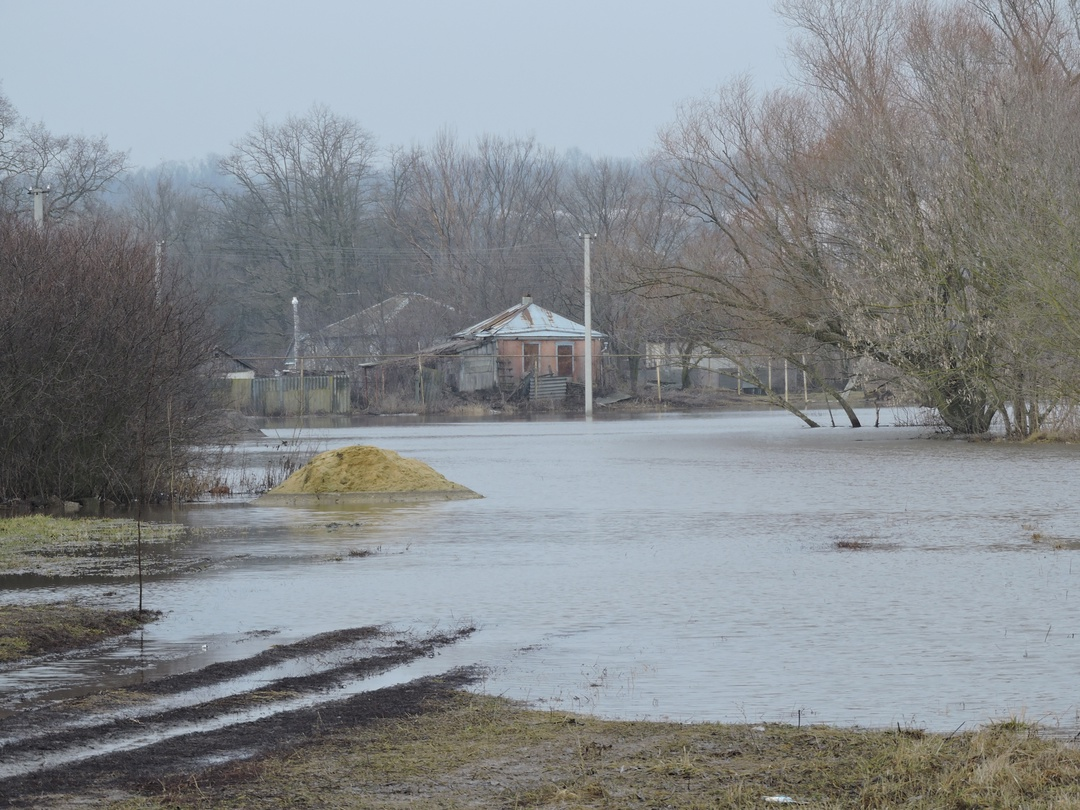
429, 744
293, 727
28, 631
117, 743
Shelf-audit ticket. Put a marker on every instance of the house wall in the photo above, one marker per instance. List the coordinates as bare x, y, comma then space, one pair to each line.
512, 351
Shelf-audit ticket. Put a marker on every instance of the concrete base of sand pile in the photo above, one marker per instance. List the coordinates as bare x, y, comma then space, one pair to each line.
362, 474
346, 498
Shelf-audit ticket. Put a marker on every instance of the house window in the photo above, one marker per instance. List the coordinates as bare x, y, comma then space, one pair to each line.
530, 353
565, 352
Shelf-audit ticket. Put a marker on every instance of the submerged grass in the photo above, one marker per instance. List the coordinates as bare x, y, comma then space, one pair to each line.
55, 546
477, 751
59, 547
31, 630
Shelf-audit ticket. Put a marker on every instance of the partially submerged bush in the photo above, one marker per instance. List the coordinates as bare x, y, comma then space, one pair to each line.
102, 390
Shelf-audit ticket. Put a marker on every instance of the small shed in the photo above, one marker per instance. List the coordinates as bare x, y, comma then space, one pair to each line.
230, 379
225, 366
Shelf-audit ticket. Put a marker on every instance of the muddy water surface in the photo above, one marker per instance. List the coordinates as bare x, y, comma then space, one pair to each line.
734, 567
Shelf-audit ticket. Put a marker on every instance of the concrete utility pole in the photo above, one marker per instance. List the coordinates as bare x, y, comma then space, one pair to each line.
39, 204
588, 327
296, 330
159, 249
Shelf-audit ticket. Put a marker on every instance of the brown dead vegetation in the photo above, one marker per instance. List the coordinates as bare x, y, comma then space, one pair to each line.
428, 745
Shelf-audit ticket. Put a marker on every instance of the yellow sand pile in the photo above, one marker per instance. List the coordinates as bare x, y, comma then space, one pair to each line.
364, 473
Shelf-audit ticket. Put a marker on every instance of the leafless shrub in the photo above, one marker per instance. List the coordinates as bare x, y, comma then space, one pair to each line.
102, 390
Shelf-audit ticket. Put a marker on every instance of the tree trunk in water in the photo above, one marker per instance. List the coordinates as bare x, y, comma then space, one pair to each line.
967, 414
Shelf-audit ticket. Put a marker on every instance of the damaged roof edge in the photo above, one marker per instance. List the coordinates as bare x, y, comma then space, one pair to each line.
526, 320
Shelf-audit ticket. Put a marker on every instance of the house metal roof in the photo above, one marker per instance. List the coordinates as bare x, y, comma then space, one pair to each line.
526, 320
373, 319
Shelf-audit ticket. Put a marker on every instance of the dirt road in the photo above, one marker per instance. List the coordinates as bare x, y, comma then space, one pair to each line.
168, 730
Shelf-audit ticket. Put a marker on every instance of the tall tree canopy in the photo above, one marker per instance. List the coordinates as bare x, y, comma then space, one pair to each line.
74, 168
293, 219
913, 201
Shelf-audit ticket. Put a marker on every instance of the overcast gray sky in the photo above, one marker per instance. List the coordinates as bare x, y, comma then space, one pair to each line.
179, 79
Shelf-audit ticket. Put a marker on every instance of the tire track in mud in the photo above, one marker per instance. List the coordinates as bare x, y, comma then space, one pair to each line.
170, 730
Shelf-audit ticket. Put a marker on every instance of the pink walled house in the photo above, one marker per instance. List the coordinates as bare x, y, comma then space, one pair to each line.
526, 338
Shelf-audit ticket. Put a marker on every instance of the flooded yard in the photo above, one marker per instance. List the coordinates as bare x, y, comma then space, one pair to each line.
725, 566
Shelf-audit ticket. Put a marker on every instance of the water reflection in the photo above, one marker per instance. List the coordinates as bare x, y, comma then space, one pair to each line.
704, 567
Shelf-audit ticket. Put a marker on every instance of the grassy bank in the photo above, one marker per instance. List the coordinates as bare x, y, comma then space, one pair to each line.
30, 630
64, 547
61, 547
475, 751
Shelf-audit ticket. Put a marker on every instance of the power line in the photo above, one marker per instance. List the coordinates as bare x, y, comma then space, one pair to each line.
412, 253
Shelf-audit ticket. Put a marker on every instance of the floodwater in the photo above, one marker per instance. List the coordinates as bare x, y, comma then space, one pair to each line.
707, 567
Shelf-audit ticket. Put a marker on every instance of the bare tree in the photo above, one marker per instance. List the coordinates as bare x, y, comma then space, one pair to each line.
295, 219
8, 120
616, 201
482, 220
75, 169
166, 209
738, 166
912, 203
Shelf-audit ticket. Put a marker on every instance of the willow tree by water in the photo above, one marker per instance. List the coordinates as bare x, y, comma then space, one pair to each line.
103, 390
914, 201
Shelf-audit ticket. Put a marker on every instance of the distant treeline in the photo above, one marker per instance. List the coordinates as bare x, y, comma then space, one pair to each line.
905, 211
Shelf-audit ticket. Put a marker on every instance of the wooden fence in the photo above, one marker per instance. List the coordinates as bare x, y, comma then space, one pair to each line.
288, 395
